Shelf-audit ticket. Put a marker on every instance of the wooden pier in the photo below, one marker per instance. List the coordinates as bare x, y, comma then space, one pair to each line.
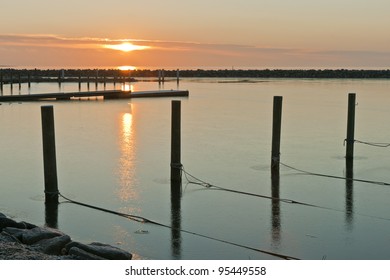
106, 94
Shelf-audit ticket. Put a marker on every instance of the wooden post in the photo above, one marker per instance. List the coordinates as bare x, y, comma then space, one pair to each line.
20, 81
159, 76
163, 76
11, 82
276, 132
49, 155
177, 76
29, 80
1, 82
176, 144
350, 140
97, 78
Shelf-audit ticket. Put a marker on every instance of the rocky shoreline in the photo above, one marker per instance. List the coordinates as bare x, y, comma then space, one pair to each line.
25, 241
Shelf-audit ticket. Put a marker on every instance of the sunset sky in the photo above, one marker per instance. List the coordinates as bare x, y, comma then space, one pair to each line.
195, 34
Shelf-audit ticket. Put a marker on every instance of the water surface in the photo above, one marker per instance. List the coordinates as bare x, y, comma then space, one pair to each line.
116, 154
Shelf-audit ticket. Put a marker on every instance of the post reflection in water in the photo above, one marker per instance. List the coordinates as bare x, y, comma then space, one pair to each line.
275, 219
349, 194
176, 219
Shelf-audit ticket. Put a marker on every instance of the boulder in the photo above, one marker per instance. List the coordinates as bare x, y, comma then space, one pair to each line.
36, 234
83, 255
17, 233
6, 222
102, 250
52, 246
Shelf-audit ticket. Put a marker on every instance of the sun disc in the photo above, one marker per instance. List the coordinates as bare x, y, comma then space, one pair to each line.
127, 68
126, 47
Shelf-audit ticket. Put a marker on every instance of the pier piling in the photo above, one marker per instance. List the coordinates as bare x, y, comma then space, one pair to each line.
49, 155
350, 140
176, 145
276, 132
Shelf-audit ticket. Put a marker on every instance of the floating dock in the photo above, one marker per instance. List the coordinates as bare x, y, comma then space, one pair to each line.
106, 94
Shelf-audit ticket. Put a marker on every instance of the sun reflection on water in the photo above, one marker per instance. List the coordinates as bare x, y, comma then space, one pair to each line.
127, 87
126, 166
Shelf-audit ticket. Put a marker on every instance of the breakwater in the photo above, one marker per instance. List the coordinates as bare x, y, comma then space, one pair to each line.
22, 240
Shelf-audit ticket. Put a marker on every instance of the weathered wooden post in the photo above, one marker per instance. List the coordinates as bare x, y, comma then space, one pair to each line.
88, 82
1, 81
177, 76
11, 81
176, 145
29, 80
350, 140
20, 81
49, 154
96, 78
159, 76
59, 77
276, 132
163, 76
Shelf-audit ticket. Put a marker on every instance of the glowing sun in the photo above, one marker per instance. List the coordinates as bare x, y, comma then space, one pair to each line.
126, 47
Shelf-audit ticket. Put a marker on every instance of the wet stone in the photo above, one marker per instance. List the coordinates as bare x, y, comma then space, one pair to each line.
83, 255
36, 234
6, 222
15, 232
52, 246
102, 250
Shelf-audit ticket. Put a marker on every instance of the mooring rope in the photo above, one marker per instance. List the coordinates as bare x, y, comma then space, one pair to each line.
374, 144
209, 185
333, 176
290, 201
148, 221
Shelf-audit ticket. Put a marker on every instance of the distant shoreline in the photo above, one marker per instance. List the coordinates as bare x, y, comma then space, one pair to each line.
13, 74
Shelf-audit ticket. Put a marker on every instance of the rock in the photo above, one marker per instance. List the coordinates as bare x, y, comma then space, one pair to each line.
52, 246
102, 250
15, 232
83, 255
28, 225
36, 234
6, 222
24, 241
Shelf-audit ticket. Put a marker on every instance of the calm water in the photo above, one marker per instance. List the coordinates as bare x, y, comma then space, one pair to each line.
116, 154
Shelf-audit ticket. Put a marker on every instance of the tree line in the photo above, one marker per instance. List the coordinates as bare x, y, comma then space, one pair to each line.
199, 73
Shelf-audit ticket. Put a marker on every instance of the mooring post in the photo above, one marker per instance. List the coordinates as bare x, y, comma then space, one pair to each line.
350, 140
176, 145
49, 154
1, 81
163, 75
276, 132
29, 79
177, 76
19, 80
96, 78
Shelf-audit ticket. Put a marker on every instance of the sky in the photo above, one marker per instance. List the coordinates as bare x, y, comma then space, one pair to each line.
183, 34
